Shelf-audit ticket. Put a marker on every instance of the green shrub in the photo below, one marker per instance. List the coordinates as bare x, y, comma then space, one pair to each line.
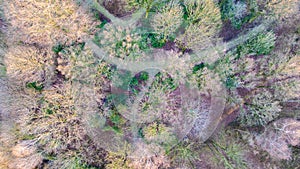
158, 133
262, 44
35, 85
76, 163
202, 78
156, 40
228, 152
183, 155
238, 12
106, 70
234, 154
135, 4
262, 109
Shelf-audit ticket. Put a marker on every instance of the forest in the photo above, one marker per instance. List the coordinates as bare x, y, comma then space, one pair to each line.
149, 84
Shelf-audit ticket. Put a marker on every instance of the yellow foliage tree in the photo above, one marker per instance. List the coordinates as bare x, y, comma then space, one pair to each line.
28, 64
47, 21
